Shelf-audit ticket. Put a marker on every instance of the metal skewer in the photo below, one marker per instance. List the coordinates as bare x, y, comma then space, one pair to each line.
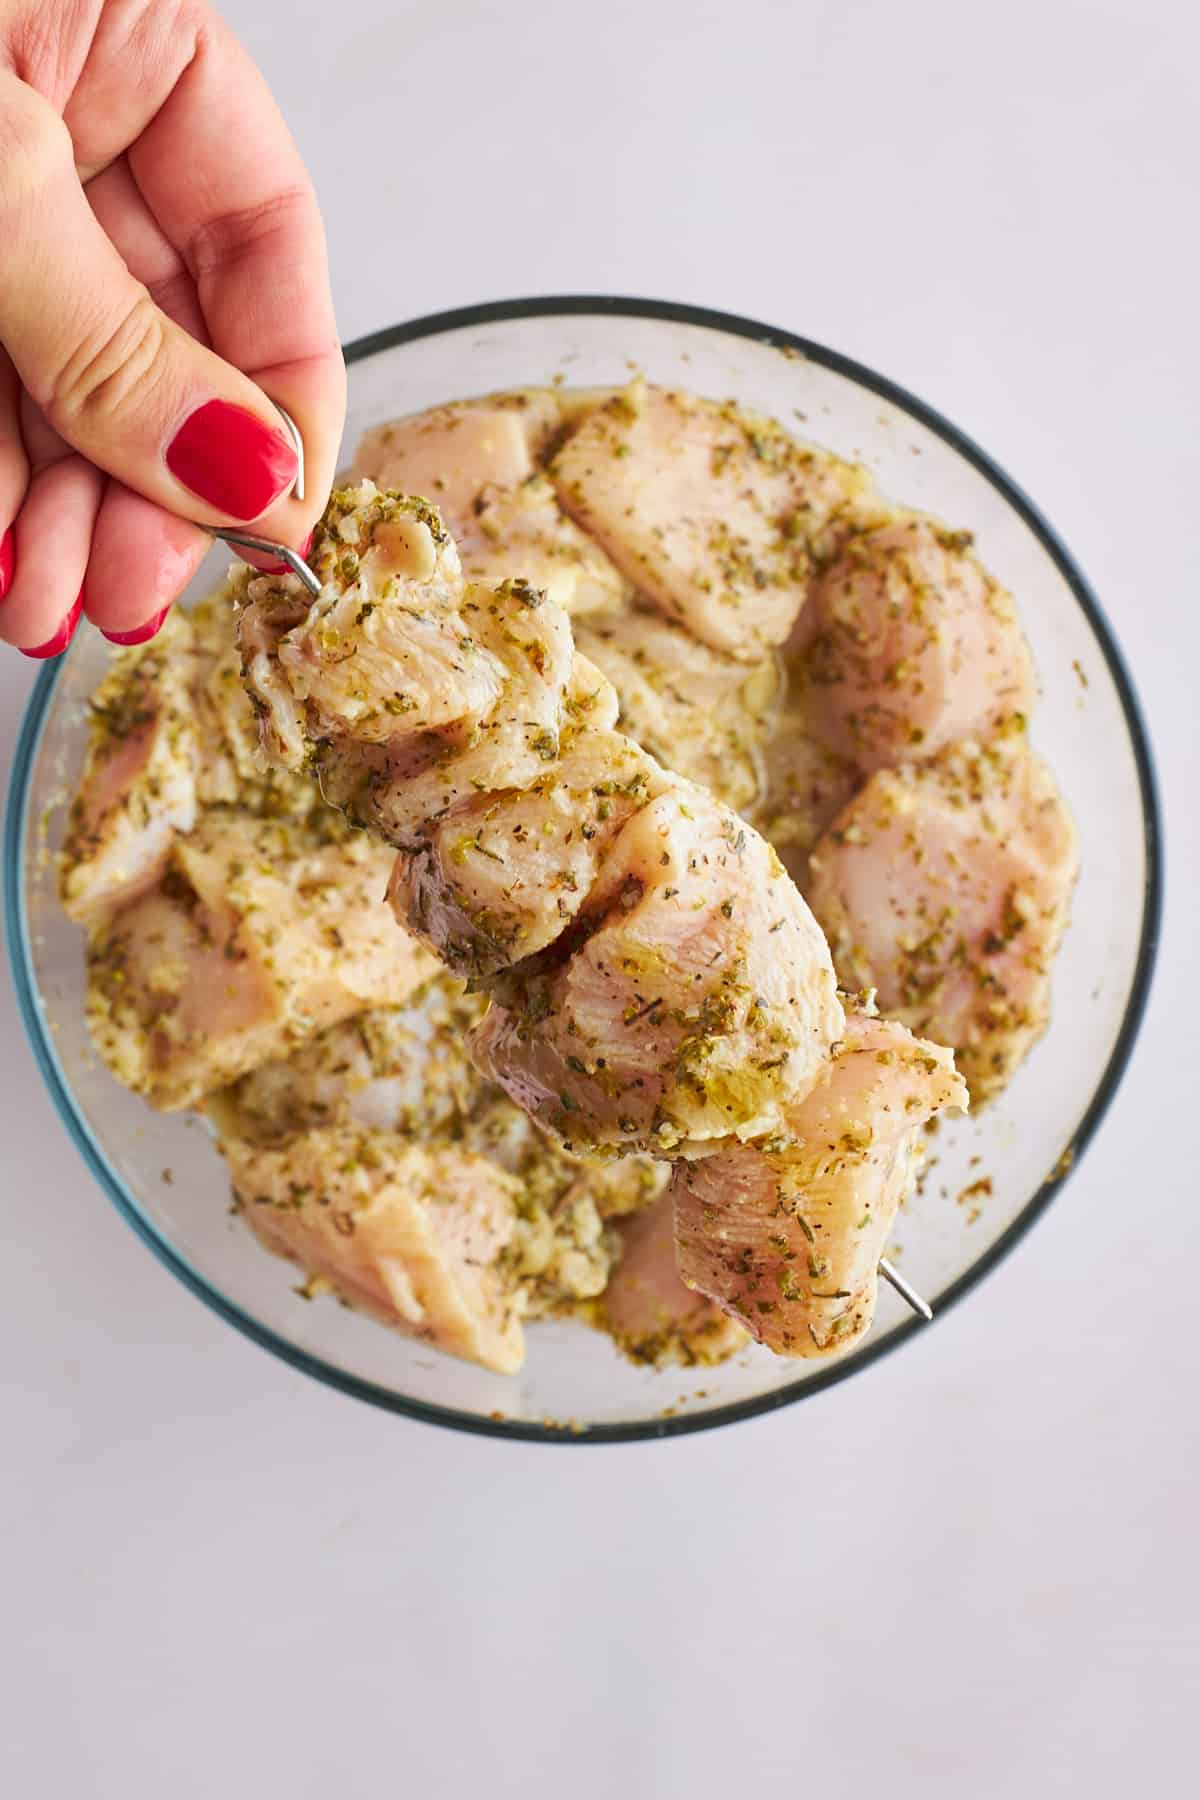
244, 540
891, 1274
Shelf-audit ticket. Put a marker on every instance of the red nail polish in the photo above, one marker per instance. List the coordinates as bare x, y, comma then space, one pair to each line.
231, 459
57, 644
280, 568
8, 557
143, 633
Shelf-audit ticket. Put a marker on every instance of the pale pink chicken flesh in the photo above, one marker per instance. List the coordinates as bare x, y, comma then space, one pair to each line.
713, 513
648, 1309
455, 454
137, 792
786, 1234
913, 646
415, 1236
697, 1003
946, 887
259, 933
501, 876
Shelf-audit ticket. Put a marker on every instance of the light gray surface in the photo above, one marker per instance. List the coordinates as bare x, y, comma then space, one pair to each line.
970, 1571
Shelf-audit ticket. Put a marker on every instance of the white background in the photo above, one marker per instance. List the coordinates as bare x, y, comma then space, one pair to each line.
973, 1569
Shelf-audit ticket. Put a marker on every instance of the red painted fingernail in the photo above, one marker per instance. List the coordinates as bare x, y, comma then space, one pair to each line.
57, 644
8, 557
231, 459
143, 634
280, 568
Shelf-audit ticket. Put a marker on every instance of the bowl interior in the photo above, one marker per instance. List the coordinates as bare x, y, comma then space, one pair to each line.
164, 1171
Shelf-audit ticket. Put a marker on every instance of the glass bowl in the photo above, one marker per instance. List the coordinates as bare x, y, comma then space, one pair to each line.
163, 1172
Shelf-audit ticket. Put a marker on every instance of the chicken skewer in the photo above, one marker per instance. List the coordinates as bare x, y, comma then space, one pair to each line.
656, 982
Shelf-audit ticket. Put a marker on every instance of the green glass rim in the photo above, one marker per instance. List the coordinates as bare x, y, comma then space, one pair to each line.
46, 1057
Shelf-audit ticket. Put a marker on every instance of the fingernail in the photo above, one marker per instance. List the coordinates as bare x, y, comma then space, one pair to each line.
231, 459
281, 568
143, 634
8, 557
57, 644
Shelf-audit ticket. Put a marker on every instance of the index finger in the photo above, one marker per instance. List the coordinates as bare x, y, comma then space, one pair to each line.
219, 170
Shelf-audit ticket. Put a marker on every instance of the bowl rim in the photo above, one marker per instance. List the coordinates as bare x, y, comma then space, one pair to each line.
619, 307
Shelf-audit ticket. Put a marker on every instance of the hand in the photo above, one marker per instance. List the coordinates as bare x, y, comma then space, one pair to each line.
162, 271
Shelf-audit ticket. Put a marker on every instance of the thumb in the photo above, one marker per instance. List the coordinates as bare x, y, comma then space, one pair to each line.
118, 380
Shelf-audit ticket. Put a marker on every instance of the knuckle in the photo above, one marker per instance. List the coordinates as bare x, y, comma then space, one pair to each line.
274, 224
113, 367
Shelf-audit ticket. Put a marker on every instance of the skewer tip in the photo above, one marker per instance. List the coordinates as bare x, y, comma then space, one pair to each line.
892, 1275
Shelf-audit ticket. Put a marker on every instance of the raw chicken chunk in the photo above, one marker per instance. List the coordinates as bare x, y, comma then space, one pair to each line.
415, 1236
455, 454
713, 513
697, 1005
501, 876
786, 1234
230, 767
524, 534
385, 652
946, 887
652, 1315
258, 934
698, 711
915, 647
138, 788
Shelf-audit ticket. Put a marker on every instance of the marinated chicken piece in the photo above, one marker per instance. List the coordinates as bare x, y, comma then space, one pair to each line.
915, 647
696, 1005
386, 652
687, 991
946, 887
416, 1236
513, 743
652, 1315
230, 767
258, 934
715, 514
405, 1074
454, 455
500, 877
138, 787
698, 711
807, 784
523, 534
786, 1234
